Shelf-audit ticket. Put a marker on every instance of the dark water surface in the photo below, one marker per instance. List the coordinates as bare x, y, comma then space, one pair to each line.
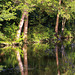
54, 58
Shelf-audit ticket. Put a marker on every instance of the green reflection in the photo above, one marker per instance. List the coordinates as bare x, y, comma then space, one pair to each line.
41, 59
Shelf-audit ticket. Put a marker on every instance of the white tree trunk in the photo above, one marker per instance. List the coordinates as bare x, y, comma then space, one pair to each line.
20, 26
25, 27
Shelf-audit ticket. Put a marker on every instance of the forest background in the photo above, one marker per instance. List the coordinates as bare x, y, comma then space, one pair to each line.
36, 20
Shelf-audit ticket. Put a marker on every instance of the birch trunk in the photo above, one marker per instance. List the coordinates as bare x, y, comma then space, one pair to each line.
25, 26
20, 26
25, 46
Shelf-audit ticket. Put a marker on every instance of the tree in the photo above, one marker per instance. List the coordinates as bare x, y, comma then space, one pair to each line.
67, 11
20, 25
57, 20
26, 8
25, 27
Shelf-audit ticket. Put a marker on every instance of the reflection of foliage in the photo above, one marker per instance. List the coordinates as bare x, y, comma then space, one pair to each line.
39, 52
9, 57
68, 61
41, 56
42, 49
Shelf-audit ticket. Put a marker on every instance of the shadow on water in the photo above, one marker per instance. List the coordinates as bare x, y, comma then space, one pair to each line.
39, 59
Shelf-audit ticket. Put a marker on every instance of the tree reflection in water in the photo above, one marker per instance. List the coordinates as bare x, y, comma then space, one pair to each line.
63, 54
44, 58
57, 60
23, 69
20, 62
25, 60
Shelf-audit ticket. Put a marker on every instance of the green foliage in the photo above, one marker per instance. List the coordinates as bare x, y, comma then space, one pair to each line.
39, 33
70, 62
10, 57
7, 11
67, 9
2, 37
67, 33
44, 15
10, 31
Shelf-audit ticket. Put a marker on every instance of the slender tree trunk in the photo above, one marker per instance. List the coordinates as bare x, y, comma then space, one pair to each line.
57, 60
25, 46
63, 24
20, 63
25, 26
20, 26
25, 59
57, 20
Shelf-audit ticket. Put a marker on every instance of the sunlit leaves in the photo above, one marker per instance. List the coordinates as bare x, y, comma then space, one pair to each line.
68, 9
7, 11
40, 33
10, 31
7, 16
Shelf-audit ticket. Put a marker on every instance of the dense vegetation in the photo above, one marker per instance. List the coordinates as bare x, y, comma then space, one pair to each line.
42, 22
39, 28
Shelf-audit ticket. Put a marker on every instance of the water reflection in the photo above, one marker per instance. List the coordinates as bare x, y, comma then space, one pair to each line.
25, 60
40, 59
63, 54
23, 69
20, 62
57, 60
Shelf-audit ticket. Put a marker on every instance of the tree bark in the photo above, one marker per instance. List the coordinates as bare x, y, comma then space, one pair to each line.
25, 26
57, 20
25, 46
20, 26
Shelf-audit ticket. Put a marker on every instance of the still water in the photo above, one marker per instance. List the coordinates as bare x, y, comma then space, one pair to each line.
53, 58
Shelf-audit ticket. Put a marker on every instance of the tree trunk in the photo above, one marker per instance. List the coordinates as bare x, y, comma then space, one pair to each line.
25, 26
63, 24
25, 46
20, 63
20, 26
57, 60
57, 20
